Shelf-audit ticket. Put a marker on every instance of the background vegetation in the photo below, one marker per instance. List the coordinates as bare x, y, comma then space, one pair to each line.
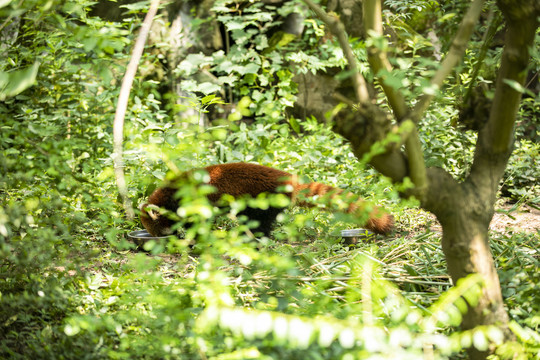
73, 286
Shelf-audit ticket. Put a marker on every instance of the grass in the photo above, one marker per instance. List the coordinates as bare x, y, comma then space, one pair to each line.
125, 296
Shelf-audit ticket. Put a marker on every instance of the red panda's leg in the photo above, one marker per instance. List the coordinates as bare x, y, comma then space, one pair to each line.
265, 218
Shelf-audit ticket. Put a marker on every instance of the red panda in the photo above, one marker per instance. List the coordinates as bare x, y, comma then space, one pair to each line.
241, 179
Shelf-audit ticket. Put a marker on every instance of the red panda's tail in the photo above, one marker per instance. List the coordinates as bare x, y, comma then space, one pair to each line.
378, 221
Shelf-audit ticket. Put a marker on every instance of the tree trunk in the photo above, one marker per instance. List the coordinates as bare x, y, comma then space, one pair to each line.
465, 244
465, 211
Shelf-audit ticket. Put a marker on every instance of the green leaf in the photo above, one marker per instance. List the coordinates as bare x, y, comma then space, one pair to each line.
295, 124
208, 99
4, 3
136, 7
251, 68
235, 25
514, 85
15, 82
208, 88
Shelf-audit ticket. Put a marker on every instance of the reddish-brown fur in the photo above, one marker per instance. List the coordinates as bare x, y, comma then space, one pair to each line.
239, 179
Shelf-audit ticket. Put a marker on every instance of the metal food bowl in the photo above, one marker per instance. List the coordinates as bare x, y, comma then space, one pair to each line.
140, 237
352, 236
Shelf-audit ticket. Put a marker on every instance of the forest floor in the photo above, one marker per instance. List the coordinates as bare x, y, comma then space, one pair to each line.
521, 219
508, 218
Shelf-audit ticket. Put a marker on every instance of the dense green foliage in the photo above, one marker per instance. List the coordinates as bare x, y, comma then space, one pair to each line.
73, 286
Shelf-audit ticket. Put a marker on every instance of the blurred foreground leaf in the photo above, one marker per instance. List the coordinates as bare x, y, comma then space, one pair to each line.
15, 82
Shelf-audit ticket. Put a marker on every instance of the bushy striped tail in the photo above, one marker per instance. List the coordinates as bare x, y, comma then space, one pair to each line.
378, 220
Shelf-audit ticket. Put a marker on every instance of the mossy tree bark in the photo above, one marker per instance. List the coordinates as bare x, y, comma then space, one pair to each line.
467, 209
466, 214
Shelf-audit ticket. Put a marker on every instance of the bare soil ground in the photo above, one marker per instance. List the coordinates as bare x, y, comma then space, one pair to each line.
523, 219
508, 219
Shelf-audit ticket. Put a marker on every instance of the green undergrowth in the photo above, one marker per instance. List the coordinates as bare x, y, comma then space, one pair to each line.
313, 297
72, 286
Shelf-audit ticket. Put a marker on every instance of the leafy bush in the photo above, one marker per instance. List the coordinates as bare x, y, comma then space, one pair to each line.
74, 287
522, 173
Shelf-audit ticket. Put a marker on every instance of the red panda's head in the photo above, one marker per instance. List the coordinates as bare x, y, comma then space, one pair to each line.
156, 223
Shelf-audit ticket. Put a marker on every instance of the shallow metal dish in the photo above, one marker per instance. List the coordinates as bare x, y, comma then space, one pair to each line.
140, 237
144, 235
352, 236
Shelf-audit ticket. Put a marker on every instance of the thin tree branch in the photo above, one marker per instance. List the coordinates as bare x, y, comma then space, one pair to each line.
392, 163
379, 60
338, 29
417, 165
495, 140
454, 56
519, 37
494, 20
118, 128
